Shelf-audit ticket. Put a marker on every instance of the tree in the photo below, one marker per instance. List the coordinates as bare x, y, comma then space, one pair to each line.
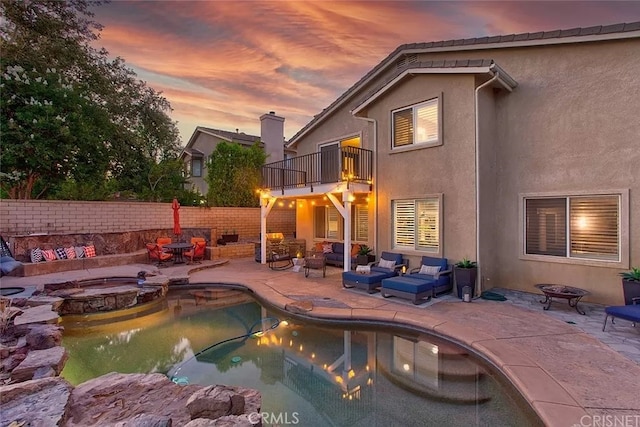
73, 120
234, 174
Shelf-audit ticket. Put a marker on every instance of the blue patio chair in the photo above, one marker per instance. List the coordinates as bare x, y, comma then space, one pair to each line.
629, 312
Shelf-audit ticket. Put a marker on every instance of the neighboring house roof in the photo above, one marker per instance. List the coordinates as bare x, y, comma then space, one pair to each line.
239, 137
574, 35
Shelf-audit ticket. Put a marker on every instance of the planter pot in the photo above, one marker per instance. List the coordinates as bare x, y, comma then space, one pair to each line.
465, 277
364, 259
229, 238
631, 289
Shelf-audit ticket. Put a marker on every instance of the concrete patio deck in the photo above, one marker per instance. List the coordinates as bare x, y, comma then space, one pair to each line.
571, 372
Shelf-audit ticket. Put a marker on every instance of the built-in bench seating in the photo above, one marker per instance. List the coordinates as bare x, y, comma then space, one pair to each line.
46, 267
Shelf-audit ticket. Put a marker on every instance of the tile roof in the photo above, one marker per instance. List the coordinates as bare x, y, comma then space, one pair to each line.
485, 42
240, 137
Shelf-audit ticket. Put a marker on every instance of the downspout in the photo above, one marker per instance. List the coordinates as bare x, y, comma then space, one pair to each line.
375, 176
478, 289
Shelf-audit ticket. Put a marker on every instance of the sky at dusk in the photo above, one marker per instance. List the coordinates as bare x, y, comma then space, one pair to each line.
222, 64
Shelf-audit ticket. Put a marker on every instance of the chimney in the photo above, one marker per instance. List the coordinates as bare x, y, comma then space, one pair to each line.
272, 136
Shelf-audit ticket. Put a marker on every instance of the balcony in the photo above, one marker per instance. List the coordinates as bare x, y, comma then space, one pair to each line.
328, 167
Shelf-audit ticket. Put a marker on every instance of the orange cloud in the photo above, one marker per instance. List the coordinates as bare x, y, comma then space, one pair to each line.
223, 64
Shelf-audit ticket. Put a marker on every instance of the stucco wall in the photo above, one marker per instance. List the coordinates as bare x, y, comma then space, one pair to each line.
569, 127
447, 169
20, 217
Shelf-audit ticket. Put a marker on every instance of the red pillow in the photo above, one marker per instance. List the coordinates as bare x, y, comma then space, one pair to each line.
49, 254
71, 252
89, 251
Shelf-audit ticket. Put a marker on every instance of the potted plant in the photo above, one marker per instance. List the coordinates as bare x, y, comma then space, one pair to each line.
465, 273
363, 256
631, 285
229, 237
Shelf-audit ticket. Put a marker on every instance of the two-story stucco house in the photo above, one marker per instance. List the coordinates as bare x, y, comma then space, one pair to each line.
520, 152
204, 141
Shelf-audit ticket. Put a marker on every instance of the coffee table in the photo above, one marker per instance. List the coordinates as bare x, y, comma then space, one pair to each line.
315, 262
570, 293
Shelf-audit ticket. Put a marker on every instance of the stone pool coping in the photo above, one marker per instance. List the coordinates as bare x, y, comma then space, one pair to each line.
568, 377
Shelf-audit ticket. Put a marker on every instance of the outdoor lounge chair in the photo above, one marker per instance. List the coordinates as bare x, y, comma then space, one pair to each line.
157, 255
629, 312
440, 275
198, 252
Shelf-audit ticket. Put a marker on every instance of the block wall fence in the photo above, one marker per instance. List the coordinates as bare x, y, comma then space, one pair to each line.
24, 217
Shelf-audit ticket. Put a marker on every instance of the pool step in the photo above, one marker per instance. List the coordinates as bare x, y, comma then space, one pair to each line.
443, 390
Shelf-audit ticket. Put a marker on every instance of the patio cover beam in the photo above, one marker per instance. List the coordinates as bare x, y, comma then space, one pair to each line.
266, 204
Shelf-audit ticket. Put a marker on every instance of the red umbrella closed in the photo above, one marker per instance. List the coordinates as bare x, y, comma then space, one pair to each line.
176, 217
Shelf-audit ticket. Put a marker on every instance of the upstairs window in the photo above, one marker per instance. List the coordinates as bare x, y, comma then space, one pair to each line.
196, 166
419, 124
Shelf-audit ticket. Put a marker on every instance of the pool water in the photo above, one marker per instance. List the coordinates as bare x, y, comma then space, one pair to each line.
308, 375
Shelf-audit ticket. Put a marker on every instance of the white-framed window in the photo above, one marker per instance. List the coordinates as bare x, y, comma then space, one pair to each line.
329, 224
196, 166
418, 124
574, 227
416, 224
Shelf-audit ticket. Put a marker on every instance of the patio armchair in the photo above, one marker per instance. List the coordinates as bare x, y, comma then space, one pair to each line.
157, 255
390, 263
436, 270
161, 241
197, 253
630, 312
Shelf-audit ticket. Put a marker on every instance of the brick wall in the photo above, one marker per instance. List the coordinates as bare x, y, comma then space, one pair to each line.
22, 217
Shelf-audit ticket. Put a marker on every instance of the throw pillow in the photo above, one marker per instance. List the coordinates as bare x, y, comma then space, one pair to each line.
36, 255
79, 251
89, 251
49, 254
60, 253
319, 245
387, 264
429, 270
71, 252
355, 248
327, 248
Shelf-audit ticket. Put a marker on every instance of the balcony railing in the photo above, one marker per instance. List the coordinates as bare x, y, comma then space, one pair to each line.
330, 165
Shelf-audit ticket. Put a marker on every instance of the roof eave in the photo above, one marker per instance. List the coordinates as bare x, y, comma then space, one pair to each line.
405, 49
503, 78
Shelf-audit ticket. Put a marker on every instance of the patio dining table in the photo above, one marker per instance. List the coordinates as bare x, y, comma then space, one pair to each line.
178, 250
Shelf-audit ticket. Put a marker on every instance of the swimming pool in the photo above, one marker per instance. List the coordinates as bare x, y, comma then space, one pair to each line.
308, 374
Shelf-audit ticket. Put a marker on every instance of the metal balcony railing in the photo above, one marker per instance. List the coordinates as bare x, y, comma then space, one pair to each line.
330, 165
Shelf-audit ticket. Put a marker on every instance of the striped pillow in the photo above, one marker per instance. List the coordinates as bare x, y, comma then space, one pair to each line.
79, 251
36, 255
70, 251
60, 253
89, 251
49, 254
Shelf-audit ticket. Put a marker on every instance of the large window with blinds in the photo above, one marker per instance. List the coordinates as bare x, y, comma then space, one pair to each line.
416, 224
328, 223
585, 227
419, 124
